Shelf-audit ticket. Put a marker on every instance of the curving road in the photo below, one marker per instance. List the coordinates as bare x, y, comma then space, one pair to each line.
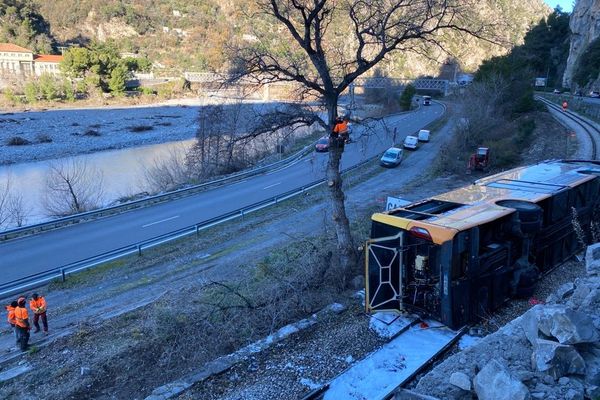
31, 255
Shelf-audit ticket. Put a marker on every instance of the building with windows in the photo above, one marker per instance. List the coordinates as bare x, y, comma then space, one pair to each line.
17, 61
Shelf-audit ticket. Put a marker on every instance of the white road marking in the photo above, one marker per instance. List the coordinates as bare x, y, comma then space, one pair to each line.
273, 185
158, 222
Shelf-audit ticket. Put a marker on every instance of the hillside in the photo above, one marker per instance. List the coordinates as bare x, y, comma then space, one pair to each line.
190, 35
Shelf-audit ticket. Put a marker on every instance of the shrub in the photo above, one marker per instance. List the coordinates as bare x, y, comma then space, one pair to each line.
31, 92
17, 141
146, 91
407, 96
43, 138
91, 132
140, 128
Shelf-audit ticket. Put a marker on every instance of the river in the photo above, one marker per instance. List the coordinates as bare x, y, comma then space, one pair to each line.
122, 173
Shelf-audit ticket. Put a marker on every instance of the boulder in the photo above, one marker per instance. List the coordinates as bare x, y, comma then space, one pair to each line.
460, 380
592, 363
529, 323
567, 325
592, 300
592, 259
494, 382
565, 290
573, 395
593, 392
557, 360
583, 287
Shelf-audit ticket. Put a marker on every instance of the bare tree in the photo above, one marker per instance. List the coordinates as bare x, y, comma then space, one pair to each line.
13, 211
168, 172
17, 210
322, 46
4, 202
72, 187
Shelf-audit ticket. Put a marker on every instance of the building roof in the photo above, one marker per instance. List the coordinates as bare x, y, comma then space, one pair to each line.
13, 48
49, 58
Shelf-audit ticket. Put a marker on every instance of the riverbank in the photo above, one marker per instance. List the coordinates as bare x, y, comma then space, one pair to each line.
42, 134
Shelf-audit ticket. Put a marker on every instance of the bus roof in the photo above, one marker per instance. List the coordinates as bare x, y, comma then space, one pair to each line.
446, 214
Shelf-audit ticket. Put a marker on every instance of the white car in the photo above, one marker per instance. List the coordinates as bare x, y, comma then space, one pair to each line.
410, 142
423, 135
391, 158
595, 94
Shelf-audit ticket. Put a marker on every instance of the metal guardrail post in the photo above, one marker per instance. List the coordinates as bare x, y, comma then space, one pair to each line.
197, 230
62, 274
139, 249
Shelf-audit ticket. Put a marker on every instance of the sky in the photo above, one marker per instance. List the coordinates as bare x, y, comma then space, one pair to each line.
566, 5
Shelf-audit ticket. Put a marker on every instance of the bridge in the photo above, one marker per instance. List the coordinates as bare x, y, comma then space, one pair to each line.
440, 85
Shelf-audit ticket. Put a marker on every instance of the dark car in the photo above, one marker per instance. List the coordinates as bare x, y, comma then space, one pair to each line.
595, 94
322, 144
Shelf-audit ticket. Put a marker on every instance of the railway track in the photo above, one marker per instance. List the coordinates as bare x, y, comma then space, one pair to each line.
414, 347
592, 132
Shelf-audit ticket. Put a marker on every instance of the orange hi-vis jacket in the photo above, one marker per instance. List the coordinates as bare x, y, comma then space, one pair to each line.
38, 306
21, 317
341, 128
11, 314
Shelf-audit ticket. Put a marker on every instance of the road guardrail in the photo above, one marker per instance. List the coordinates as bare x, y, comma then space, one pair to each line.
32, 281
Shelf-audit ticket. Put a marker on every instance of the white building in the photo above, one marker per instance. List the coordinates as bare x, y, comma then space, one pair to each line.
18, 61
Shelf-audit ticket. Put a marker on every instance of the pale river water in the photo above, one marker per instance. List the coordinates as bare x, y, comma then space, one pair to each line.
122, 171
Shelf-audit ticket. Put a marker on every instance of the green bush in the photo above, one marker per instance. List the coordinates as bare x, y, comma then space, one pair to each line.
407, 96
31, 92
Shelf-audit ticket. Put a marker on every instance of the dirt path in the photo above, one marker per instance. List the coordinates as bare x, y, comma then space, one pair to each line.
84, 306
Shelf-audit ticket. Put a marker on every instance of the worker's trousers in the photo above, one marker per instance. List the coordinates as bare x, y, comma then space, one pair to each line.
22, 337
36, 318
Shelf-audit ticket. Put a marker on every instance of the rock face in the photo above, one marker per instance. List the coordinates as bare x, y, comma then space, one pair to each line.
494, 382
585, 27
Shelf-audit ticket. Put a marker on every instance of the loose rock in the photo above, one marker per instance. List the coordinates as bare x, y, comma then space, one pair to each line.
557, 360
460, 380
494, 382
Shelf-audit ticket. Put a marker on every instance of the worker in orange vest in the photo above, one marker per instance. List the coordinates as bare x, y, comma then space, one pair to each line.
11, 316
22, 324
340, 129
37, 304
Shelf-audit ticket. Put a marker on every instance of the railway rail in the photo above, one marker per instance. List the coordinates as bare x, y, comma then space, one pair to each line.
414, 347
592, 131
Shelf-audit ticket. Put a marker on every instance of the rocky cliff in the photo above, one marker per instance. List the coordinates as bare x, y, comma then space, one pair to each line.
585, 27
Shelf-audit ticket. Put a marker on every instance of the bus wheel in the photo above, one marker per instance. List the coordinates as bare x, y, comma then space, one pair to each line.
530, 214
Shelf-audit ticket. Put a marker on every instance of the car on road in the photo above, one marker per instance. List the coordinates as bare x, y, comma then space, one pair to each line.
410, 142
595, 94
322, 144
556, 91
423, 135
426, 100
391, 158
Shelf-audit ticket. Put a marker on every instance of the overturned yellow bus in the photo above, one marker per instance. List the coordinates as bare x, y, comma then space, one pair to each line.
458, 256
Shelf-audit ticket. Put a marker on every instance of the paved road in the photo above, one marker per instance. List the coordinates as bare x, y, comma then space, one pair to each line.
31, 255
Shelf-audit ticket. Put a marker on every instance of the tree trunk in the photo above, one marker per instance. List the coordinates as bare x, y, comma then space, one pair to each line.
347, 257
